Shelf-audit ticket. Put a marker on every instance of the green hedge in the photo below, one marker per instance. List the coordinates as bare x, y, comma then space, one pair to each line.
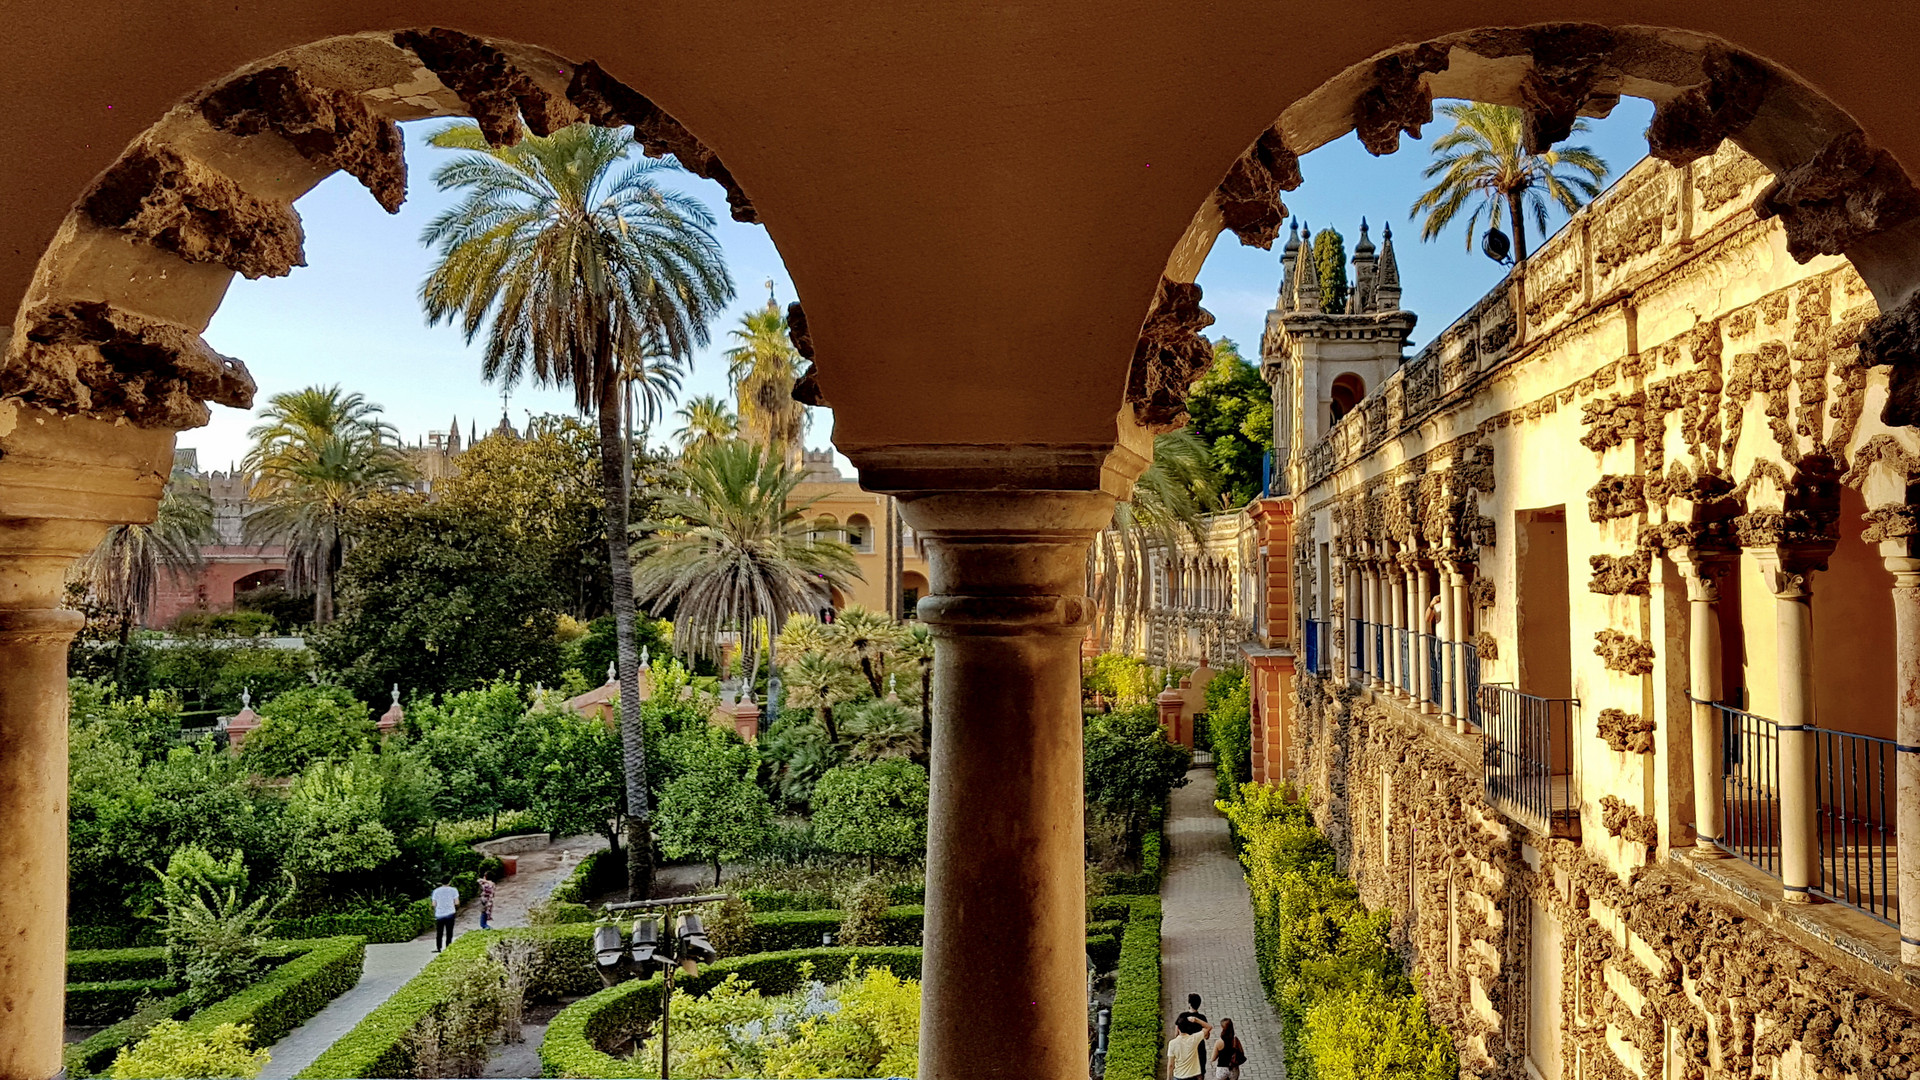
91, 1057
769, 900
573, 1040
378, 927
116, 965
113, 937
778, 931
1347, 1009
1133, 1041
598, 872
308, 976
378, 1045
107, 1002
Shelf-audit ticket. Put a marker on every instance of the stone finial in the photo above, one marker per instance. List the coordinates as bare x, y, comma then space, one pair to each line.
645, 659
1306, 277
392, 717
1386, 276
613, 673
241, 725
246, 698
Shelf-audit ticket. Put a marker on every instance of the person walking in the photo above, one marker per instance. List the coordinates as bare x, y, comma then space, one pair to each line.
1193, 1012
486, 901
446, 902
1228, 1054
1184, 1050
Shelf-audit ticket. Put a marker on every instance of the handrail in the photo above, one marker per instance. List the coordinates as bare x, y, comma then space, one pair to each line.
1527, 764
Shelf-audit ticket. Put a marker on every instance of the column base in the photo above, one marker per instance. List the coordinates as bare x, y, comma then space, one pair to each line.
1796, 896
1706, 849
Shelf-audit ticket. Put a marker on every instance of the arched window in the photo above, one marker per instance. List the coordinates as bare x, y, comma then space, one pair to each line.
1348, 390
824, 528
859, 533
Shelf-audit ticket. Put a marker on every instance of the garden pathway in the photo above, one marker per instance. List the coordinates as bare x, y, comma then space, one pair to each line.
1206, 936
389, 967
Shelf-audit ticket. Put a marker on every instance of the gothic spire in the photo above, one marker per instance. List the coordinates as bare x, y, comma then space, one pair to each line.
1388, 279
1289, 257
1306, 276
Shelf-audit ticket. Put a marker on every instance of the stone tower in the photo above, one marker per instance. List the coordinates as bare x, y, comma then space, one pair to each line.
1323, 363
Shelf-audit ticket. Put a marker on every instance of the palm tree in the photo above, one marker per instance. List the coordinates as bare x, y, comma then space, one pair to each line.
705, 420
736, 547
763, 368
317, 453
652, 383
821, 679
1484, 161
869, 634
581, 265
125, 568
1173, 495
918, 648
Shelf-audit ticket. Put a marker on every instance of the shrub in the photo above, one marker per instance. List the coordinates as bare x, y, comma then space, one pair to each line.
598, 872
864, 919
215, 937
112, 965
1133, 1040
876, 810
172, 1050
382, 1044
713, 811
452, 1039
729, 925
379, 925
1132, 767
106, 1002
1229, 712
300, 727
1347, 1009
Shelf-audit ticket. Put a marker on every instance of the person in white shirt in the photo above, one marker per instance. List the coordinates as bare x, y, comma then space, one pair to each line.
446, 901
1184, 1050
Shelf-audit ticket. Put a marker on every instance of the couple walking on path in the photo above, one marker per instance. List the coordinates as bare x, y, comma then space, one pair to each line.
1195, 1044
446, 905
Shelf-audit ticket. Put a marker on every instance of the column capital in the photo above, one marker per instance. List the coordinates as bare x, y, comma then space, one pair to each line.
1788, 569
1905, 571
1703, 569
1007, 563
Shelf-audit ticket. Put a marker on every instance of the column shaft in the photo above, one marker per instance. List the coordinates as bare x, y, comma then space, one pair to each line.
1799, 809
1906, 625
1450, 709
1376, 639
1005, 960
1423, 657
1703, 685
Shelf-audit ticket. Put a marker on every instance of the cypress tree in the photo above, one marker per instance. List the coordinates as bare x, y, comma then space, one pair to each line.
1330, 260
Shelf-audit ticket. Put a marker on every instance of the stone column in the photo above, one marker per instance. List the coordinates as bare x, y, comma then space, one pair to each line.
1376, 615
1445, 575
1703, 575
1423, 659
1789, 576
1463, 633
1004, 974
1906, 623
1402, 586
62, 483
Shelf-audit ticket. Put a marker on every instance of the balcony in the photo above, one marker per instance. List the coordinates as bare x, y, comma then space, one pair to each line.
1527, 761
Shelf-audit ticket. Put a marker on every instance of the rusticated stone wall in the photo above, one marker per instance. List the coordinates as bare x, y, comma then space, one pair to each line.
1662, 975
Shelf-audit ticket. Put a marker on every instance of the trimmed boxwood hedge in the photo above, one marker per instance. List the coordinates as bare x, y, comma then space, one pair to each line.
378, 927
116, 965
378, 1045
573, 1040
308, 976
107, 1002
1148, 879
113, 937
1133, 1041
598, 872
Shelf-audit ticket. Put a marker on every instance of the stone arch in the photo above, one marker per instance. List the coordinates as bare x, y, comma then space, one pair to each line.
110, 325
1348, 390
1835, 190
859, 532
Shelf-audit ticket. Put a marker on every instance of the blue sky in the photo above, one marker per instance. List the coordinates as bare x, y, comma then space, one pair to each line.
352, 315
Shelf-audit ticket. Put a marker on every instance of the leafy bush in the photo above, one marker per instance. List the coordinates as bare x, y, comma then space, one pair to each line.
729, 925
1131, 766
172, 1050
300, 727
106, 1002
1133, 1040
864, 919
1347, 1009
1229, 712
1123, 680
596, 873
88, 1057
713, 811
1148, 879
452, 1039
383, 1044
222, 624
878, 810
215, 935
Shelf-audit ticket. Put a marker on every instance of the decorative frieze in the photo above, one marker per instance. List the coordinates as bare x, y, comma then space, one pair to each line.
1616, 497
1624, 653
1621, 575
1628, 733
1630, 825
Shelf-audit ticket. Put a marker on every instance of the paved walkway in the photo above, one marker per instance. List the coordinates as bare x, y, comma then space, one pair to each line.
389, 967
1206, 936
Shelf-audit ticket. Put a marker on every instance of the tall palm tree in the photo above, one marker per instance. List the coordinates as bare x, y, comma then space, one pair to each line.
705, 420
737, 548
124, 569
870, 635
1483, 161
821, 679
652, 383
316, 454
763, 368
572, 263
918, 648
1173, 495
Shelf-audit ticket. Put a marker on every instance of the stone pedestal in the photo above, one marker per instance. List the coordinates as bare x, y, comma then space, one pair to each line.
1172, 704
63, 482
1004, 973
746, 720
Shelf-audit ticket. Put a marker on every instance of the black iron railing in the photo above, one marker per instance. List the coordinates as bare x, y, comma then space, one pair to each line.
1379, 652
1436, 667
1855, 788
1468, 654
1750, 779
1357, 646
1404, 668
1310, 637
1527, 764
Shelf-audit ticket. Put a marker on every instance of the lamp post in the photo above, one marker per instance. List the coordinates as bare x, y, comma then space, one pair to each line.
685, 948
